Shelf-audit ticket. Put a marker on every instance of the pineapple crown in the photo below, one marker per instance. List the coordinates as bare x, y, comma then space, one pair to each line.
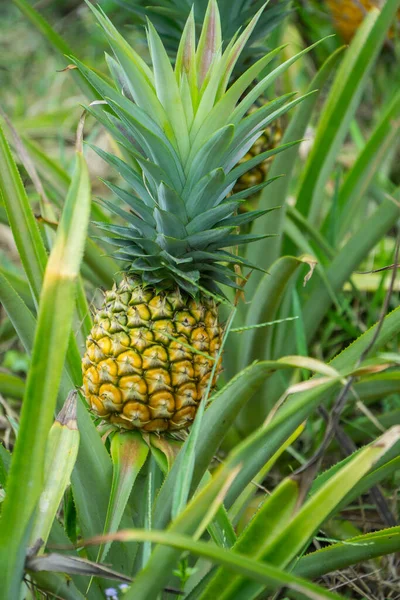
169, 17
182, 131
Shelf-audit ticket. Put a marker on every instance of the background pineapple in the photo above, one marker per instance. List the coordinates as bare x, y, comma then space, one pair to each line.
169, 19
155, 343
349, 14
270, 138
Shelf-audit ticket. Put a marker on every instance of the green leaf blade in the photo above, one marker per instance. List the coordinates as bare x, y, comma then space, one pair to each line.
55, 315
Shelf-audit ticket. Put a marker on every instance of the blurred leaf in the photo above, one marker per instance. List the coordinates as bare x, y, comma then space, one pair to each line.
264, 306
55, 316
20, 285
21, 317
352, 194
5, 461
70, 564
48, 168
341, 105
59, 585
285, 163
23, 224
57, 42
346, 261
11, 386
61, 452
17, 362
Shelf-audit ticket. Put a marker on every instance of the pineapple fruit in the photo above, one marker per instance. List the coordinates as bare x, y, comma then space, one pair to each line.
141, 369
349, 14
154, 350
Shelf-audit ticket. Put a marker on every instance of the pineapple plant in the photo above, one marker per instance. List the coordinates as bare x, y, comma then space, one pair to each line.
154, 349
169, 19
152, 489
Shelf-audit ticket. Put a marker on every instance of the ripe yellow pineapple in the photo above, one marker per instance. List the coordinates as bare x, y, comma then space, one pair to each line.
141, 369
156, 340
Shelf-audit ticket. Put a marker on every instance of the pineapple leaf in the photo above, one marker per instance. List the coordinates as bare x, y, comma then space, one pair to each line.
216, 275
182, 137
237, 240
138, 75
131, 235
154, 174
210, 154
234, 52
209, 47
260, 88
253, 126
260, 118
129, 453
273, 514
168, 91
248, 217
222, 269
172, 245
170, 201
139, 224
209, 218
118, 75
219, 72
112, 34
214, 118
204, 238
187, 100
168, 224
273, 116
130, 176
222, 256
111, 93
154, 146
253, 162
139, 207
185, 65
299, 529
202, 196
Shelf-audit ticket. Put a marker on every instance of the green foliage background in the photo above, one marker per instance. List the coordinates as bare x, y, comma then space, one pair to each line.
182, 523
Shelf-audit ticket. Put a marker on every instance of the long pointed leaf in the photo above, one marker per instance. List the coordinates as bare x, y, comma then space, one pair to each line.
342, 102
57, 298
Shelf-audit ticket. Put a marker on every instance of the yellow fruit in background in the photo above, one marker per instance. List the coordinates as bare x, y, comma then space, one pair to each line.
349, 14
268, 141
